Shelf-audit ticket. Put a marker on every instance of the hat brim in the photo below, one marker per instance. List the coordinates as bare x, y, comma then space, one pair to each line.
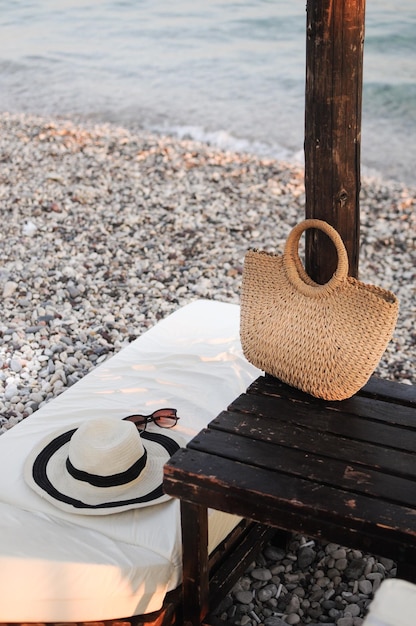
45, 472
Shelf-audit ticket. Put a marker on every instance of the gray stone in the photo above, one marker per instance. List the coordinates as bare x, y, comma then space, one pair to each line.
32, 330
36, 397
73, 291
328, 604
341, 553
266, 593
354, 609
306, 557
299, 592
274, 621
261, 573
10, 392
274, 553
294, 605
388, 563
376, 580
16, 364
365, 587
341, 564
316, 595
355, 568
9, 288
245, 583
242, 609
314, 612
244, 597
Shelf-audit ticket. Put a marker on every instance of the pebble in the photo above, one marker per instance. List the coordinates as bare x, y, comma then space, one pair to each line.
365, 587
10, 392
306, 556
274, 621
9, 288
244, 597
266, 593
355, 568
261, 574
15, 364
101, 244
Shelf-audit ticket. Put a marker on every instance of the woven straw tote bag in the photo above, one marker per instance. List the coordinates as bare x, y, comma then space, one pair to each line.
324, 339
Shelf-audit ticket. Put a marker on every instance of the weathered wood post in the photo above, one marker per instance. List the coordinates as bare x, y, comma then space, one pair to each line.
334, 61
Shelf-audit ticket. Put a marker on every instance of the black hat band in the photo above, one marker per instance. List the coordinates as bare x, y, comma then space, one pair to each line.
113, 480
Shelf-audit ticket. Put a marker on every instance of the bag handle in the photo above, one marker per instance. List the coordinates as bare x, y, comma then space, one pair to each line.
295, 271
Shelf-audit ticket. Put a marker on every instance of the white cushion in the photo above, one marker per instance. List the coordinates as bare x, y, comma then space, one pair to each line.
59, 566
394, 604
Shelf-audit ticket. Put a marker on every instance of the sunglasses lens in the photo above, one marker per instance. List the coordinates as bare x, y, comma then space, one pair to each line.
166, 421
165, 418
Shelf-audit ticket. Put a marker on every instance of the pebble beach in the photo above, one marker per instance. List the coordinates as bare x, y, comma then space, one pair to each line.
107, 230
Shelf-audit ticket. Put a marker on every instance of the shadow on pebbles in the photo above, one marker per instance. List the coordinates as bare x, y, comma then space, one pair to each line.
306, 583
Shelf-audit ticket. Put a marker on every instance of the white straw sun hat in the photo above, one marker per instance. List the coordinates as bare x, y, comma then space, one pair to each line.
103, 466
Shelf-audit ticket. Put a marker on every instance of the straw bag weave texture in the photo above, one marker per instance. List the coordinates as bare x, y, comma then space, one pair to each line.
324, 339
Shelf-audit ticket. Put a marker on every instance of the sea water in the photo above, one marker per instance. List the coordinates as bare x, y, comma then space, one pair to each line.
225, 71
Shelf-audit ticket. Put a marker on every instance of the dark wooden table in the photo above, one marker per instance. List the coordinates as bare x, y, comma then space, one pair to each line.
339, 471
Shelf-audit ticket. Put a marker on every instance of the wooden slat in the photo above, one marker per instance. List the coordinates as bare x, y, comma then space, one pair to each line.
291, 504
364, 406
390, 391
317, 469
376, 389
321, 420
254, 493
322, 443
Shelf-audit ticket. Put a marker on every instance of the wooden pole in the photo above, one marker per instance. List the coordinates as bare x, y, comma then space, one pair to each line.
334, 60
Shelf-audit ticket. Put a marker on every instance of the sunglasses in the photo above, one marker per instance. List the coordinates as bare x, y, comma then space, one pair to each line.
164, 418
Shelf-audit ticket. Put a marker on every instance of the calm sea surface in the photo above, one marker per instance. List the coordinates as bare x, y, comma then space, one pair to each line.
230, 72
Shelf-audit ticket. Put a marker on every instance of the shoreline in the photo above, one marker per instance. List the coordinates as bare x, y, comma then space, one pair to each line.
217, 139
105, 231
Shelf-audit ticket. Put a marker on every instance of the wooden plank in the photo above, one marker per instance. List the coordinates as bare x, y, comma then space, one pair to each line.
390, 391
255, 493
319, 442
377, 419
320, 419
317, 469
291, 504
402, 414
334, 52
